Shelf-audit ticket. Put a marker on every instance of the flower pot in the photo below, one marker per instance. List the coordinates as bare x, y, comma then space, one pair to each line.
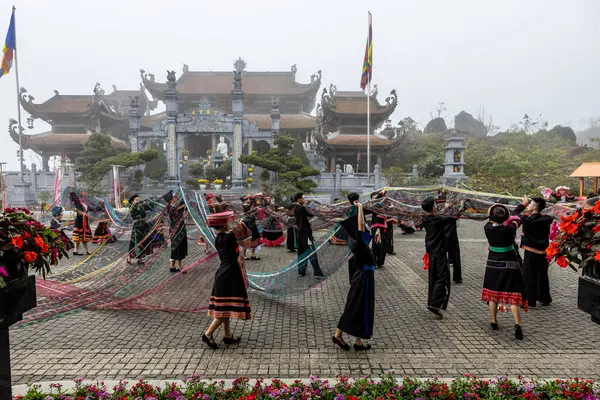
218, 187
588, 297
16, 298
202, 186
185, 158
250, 173
249, 185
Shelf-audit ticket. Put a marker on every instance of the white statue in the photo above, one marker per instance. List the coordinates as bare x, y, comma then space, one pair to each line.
222, 148
349, 169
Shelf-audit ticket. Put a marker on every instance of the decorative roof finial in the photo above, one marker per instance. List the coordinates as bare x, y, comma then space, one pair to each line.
274, 101
294, 69
171, 81
114, 87
204, 103
332, 89
98, 91
239, 65
56, 92
185, 67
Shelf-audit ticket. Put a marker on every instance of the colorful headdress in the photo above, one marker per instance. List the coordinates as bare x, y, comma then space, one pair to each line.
220, 219
562, 188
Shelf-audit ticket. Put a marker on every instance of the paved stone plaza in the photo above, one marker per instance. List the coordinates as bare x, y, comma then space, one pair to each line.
291, 337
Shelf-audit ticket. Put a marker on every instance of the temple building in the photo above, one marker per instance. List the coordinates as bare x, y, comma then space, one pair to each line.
74, 117
341, 136
198, 90
270, 102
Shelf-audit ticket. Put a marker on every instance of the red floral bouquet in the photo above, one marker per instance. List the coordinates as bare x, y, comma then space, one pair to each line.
577, 242
26, 244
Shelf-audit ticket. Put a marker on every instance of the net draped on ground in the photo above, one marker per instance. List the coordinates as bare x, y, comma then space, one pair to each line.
104, 280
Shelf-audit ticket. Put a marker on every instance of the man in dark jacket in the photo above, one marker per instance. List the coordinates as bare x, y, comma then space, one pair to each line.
303, 235
535, 240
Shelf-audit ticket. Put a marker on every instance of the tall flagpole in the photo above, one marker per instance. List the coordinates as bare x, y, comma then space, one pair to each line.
18, 100
369, 103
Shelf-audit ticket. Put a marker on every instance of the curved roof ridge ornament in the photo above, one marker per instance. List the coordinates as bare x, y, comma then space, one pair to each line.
392, 100
240, 65
147, 77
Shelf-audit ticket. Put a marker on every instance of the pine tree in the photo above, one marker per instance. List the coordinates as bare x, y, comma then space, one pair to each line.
281, 160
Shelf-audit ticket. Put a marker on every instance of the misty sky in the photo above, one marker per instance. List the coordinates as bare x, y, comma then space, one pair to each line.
509, 56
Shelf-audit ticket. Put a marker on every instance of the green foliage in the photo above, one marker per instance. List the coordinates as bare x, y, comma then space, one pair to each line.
282, 191
280, 159
298, 151
98, 156
138, 177
192, 184
426, 151
197, 170
519, 164
220, 172
157, 168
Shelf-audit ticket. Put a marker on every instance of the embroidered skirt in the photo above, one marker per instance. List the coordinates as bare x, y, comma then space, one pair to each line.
503, 282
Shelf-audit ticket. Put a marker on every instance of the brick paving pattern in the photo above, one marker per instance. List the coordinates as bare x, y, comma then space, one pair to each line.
291, 337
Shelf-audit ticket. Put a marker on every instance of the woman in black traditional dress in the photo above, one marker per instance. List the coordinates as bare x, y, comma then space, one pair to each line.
177, 231
272, 232
503, 282
359, 313
82, 232
229, 298
378, 231
291, 242
139, 243
56, 225
102, 234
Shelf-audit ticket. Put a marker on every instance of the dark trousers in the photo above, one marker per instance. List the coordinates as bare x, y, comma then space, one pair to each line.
535, 268
303, 250
291, 239
454, 259
439, 281
389, 238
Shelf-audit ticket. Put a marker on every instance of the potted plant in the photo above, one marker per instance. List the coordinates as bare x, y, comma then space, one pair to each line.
249, 182
25, 244
250, 171
203, 183
218, 183
576, 244
186, 155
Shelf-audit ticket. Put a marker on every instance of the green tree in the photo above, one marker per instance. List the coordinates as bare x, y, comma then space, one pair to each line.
157, 168
220, 172
98, 156
298, 151
280, 160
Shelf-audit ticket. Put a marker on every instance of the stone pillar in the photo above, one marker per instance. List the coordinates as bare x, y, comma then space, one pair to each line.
237, 106
213, 142
377, 175
379, 160
275, 115
45, 163
338, 178
33, 177
415, 172
134, 123
250, 146
172, 110
332, 163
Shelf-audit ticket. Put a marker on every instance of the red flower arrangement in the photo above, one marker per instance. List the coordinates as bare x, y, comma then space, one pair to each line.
26, 244
577, 242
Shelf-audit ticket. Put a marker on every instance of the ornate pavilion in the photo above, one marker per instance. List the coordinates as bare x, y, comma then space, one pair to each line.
341, 136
